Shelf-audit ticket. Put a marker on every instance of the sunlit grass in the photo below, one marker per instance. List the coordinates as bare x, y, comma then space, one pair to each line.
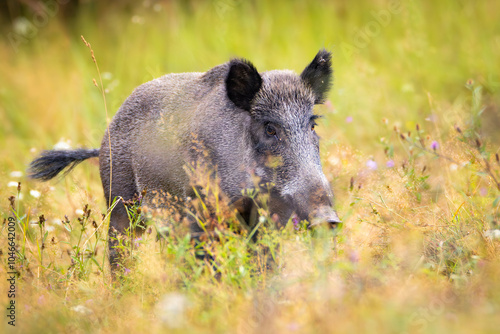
409, 143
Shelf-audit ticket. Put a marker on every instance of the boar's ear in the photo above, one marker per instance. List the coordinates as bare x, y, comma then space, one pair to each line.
318, 75
242, 83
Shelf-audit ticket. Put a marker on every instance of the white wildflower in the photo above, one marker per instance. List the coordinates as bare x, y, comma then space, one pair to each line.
492, 234
107, 75
81, 309
171, 309
16, 173
63, 145
56, 222
333, 160
35, 193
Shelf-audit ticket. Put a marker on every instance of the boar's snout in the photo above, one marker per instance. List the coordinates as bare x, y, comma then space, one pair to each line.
315, 203
325, 215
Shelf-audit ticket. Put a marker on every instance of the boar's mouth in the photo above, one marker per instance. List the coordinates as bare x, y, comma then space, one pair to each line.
282, 208
286, 207
324, 216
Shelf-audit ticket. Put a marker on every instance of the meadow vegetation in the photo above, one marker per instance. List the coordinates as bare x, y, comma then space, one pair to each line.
410, 144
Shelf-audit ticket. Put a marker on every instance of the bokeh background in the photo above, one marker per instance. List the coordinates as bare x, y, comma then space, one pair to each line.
420, 199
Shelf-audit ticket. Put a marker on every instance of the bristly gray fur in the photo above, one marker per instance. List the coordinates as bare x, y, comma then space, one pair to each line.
243, 121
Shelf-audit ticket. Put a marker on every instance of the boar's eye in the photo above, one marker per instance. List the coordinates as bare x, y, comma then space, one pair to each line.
270, 130
312, 122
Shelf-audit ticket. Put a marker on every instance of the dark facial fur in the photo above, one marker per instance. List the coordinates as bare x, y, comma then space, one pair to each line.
285, 145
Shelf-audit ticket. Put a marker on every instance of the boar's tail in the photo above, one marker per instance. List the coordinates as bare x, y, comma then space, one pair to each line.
51, 163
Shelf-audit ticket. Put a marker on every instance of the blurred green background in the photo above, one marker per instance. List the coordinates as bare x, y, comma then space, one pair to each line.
400, 60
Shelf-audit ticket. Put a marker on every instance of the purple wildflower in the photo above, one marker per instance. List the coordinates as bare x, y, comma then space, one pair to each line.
390, 164
295, 221
372, 165
136, 242
348, 119
434, 145
353, 256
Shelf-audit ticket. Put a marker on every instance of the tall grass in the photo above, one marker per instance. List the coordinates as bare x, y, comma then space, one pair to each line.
409, 143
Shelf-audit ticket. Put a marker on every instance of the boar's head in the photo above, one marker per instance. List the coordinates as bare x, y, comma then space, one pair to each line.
283, 137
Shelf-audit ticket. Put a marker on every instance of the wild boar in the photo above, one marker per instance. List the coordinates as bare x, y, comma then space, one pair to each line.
251, 126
